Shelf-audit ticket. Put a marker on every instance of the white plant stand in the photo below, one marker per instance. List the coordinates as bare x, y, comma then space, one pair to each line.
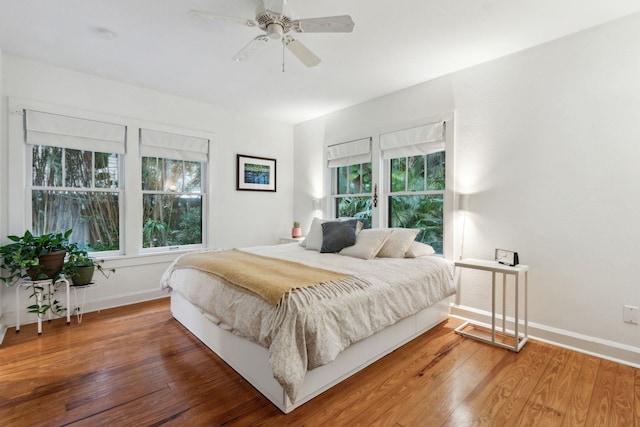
82, 289
39, 293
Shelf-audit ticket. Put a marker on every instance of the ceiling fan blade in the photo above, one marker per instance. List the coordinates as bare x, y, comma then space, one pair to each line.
305, 56
276, 6
327, 24
253, 45
216, 17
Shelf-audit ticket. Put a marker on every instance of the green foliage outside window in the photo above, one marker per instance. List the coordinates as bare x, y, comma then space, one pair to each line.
425, 176
76, 189
419, 211
171, 202
352, 182
356, 207
416, 198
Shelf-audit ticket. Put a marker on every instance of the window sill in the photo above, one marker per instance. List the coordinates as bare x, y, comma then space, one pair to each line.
119, 261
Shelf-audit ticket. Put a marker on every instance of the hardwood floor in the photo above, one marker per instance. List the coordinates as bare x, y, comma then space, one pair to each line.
137, 366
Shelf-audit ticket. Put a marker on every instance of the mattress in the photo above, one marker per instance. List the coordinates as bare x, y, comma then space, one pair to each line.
308, 330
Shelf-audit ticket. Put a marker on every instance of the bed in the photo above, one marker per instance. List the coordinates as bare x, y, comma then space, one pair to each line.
312, 337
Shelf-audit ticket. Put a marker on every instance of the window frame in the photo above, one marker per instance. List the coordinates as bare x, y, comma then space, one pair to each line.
335, 195
19, 172
203, 213
30, 188
381, 178
389, 193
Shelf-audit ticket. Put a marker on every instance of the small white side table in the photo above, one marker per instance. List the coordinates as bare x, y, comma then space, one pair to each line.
38, 294
518, 272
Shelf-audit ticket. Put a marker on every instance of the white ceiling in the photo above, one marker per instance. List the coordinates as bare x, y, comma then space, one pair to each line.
394, 45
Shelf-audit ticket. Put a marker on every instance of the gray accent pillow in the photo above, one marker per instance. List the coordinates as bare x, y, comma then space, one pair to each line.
337, 235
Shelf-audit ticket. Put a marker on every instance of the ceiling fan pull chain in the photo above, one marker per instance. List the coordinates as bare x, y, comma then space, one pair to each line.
283, 43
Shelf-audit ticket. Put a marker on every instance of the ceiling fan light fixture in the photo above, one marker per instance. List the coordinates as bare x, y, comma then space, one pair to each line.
273, 17
275, 31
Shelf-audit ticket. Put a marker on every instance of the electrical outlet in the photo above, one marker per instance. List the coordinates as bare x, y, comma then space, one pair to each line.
630, 314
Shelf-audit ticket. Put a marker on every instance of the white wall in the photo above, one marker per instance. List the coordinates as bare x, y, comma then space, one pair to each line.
547, 141
238, 218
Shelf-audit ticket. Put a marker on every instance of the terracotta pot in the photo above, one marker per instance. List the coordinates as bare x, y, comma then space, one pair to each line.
50, 265
296, 232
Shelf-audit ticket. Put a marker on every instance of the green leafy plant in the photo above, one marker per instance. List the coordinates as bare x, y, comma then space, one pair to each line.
154, 230
22, 259
296, 224
23, 255
78, 258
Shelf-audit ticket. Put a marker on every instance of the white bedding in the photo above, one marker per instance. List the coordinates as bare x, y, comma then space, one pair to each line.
310, 331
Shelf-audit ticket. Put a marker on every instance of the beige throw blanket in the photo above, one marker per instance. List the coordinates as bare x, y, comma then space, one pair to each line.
270, 278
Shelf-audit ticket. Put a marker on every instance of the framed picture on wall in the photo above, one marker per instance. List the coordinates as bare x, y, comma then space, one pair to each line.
256, 173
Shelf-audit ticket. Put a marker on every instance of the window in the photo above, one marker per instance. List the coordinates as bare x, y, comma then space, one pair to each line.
353, 183
73, 187
417, 177
172, 169
102, 175
416, 198
79, 190
410, 165
171, 202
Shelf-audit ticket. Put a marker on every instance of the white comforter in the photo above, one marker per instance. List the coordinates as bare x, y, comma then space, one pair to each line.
310, 331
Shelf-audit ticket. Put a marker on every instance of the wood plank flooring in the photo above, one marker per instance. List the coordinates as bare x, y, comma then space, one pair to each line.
137, 366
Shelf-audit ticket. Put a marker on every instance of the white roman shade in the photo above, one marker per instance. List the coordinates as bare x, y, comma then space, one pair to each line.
70, 132
349, 153
413, 142
154, 143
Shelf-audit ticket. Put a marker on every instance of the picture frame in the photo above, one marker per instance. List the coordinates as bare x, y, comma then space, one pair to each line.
255, 173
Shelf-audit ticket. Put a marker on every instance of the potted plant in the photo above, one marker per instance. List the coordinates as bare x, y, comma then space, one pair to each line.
80, 267
296, 231
37, 258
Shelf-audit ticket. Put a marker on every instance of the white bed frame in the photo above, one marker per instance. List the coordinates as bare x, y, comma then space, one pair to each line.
251, 360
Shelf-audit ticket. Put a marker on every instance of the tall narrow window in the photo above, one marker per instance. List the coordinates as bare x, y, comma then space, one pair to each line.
417, 167
173, 168
75, 178
352, 177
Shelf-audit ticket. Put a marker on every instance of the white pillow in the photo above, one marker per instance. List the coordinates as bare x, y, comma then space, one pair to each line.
398, 242
368, 243
313, 241
418, 249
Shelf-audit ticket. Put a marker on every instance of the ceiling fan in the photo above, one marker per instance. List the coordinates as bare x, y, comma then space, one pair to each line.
275, 19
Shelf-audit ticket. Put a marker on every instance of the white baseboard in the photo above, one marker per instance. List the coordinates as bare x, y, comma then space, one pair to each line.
609, 350
94, 305
126, 299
